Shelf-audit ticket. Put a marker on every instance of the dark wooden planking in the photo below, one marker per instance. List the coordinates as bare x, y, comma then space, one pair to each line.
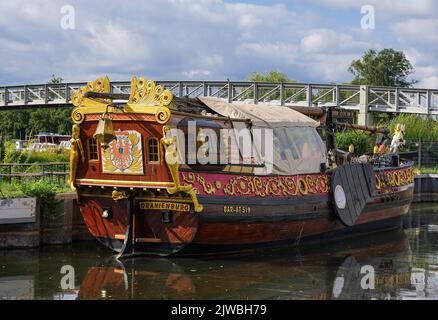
266, 223
355, 180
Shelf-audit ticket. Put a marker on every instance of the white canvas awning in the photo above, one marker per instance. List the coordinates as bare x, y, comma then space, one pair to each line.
261, 115
296, 147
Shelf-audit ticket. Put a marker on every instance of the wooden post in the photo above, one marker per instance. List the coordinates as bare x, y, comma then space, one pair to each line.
64, 169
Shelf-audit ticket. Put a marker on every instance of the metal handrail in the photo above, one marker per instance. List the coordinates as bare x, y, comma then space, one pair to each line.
348, 96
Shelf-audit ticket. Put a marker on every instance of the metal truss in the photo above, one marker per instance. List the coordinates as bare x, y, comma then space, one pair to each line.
350, 97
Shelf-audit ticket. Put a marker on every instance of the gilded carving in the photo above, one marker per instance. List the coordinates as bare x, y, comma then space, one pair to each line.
145, 98
277, 186
81, 102
287, 185
76, 154
169, 144
395, 178
147, 94
119, 195
192, 178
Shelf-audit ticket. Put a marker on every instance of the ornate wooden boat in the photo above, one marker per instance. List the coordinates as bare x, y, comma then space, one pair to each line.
161, 175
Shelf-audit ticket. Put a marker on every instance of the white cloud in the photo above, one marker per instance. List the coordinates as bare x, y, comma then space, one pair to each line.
387, 9
329, 41
429, 82
202, 39
417, 31
196, 73
249, 21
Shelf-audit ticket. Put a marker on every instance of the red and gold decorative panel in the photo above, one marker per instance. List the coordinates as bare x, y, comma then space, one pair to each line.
216, 184
394, 178
256, 186
124, 154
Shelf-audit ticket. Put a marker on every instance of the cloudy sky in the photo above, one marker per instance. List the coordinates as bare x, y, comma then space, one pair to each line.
309, 40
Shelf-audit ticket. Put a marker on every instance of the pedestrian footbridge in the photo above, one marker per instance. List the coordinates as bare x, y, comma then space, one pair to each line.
364, 99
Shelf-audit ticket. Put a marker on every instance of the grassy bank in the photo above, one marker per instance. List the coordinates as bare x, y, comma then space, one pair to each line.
43, 190
428, 170
11, 155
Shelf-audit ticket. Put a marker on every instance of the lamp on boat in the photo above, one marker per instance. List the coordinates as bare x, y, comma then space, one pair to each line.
105, 131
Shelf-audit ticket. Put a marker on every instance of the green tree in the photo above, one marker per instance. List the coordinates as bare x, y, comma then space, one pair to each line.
14, 124
387, 67
17, 124
271, 76
55, 120
55, 80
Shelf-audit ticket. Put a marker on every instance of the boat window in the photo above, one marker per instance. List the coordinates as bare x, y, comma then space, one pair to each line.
301, 142
287, 145
153, 151
208, 139
308, 142
92, 149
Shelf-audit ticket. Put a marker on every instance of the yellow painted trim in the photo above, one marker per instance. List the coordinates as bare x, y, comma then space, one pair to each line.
95, 195
247, 169
148, 240
128, 109
108, 196
235, 168
119, 271
164, 205
125, 183
164, 200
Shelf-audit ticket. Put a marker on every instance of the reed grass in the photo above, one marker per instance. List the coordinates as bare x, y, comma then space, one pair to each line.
417, 127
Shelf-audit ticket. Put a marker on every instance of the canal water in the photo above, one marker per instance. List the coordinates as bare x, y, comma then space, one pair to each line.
399, 264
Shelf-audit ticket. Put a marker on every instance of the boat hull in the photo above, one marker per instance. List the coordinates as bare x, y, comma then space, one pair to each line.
234, 224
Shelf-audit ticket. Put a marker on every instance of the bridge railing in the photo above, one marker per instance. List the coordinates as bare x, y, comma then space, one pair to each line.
351, 97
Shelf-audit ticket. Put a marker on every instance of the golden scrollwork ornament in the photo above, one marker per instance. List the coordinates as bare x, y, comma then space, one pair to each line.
81, 102
169, 144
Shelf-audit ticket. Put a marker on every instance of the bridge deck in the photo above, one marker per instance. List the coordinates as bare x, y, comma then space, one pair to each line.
350, 97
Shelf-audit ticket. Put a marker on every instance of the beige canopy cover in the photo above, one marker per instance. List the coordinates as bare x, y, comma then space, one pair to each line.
261, 115
297, 148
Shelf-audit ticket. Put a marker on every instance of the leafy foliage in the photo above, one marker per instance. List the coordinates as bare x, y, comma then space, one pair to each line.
271, 76
362, 142
43, 190
50, 155
385, 68
417, 127
19, 123
11, 155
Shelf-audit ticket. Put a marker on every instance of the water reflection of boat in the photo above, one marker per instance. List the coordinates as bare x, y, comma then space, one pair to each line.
332, 272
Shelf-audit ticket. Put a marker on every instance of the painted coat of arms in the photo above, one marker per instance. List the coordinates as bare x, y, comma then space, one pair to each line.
124, 154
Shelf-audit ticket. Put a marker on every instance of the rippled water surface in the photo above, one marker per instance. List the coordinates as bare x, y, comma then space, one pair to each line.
399, 264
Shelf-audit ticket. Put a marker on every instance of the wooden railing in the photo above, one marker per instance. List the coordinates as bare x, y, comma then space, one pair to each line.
18, 172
